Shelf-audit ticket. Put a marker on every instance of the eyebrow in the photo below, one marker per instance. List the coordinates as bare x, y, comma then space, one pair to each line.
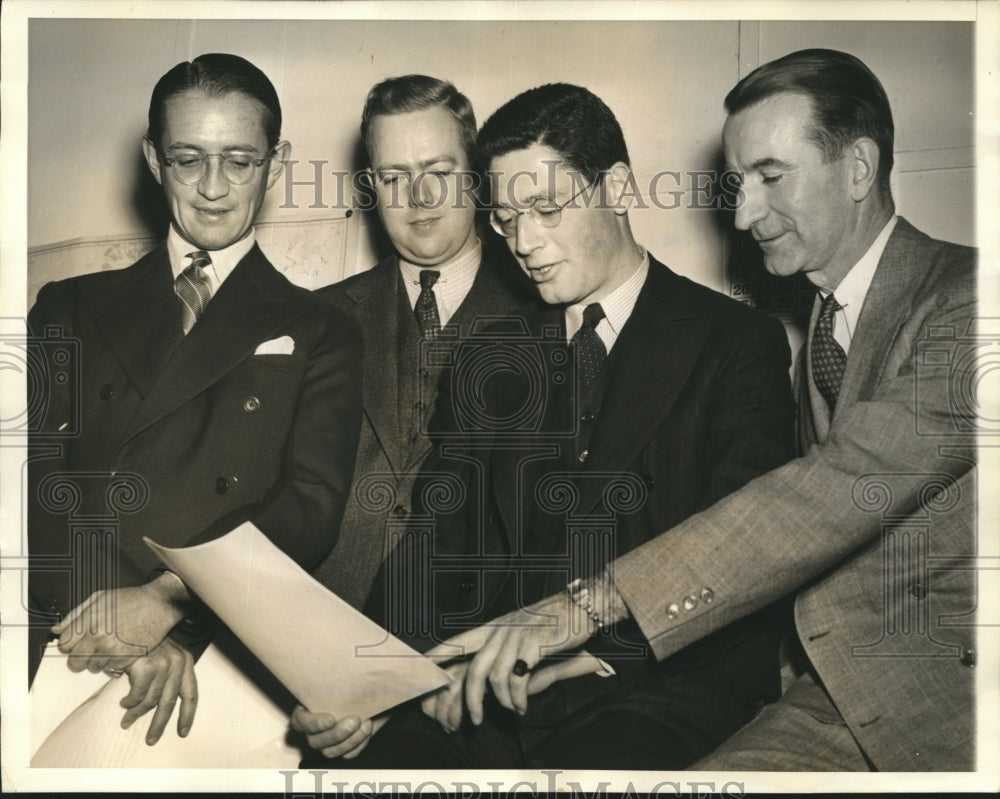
229, 148
439, 159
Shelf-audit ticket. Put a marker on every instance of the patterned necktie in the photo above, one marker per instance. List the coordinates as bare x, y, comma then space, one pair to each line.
426, 308
193, 288
590, 351
828, 357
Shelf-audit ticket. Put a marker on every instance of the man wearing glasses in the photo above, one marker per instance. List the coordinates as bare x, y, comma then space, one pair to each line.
211, 392
675, 397
436, 285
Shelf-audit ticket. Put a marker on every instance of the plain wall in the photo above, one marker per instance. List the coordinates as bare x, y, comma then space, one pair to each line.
90, 80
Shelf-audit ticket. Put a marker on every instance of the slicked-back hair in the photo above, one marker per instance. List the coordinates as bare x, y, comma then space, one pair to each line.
568, 119
216, 74
847, 99
416, 93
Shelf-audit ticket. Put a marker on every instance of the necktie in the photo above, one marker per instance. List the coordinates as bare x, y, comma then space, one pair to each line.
828, 357
193, 288
590, 351
426, 308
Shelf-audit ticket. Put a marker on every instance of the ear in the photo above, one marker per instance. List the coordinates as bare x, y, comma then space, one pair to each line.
276, 164
617, 182
863, 158
152, 159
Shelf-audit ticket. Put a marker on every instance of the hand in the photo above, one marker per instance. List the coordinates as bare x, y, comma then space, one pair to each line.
157, 680
346, 738
112, 628
554, 624
445, 704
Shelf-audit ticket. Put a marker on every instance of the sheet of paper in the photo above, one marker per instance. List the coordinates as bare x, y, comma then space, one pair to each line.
330, 656
242, 718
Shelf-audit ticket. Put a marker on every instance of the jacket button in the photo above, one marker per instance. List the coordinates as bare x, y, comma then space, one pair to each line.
918, 590
251, 404
690, 602
707, 595
582, 457
467, 585
648, 480
221, 485
419, 406
107, 392
672, 610
588, 417
399, 511
968, 658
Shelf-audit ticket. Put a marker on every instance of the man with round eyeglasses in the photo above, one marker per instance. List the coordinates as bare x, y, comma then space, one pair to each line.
209, 392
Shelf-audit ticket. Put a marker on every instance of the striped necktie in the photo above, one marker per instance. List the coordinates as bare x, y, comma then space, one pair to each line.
193, 289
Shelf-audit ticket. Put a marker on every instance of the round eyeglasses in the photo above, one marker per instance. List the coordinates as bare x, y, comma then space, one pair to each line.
189, 167
543, 212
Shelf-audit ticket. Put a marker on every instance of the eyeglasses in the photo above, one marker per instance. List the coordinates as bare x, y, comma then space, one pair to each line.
189, 168
544, 213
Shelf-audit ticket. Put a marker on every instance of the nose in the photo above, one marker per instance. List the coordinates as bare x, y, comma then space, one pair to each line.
213, 183
425, 190
528, 236
752, 207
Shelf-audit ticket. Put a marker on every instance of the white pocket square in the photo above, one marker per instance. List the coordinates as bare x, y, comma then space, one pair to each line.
285, 345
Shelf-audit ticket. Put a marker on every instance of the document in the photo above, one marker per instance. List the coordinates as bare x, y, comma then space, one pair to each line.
331, 657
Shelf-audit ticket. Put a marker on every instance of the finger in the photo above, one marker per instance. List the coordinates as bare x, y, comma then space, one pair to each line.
580, 664
70, 620
336, 735
502, 676
165, 703
367, 731
311, 723
139, 677
148, 701
476, 676
453, 712
189, 697
429, 705
465, 643
359, 734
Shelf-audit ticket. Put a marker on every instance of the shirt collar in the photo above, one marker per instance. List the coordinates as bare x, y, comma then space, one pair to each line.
617, 306
851, 291
456, 278
224, 261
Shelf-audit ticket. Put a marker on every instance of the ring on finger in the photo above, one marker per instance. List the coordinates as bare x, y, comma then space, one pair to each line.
520, 668
113, 672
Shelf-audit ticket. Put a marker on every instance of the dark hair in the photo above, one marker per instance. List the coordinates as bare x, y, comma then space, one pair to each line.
568, 119
847, 99
217, 74
416, 93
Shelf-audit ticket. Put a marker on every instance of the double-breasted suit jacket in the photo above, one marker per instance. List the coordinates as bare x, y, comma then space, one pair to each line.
693, 402
181, 438
400, 391
874, 524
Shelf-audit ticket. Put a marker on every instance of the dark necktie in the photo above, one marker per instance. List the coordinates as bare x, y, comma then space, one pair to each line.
590, 351
193, 288
426, 308
828, 357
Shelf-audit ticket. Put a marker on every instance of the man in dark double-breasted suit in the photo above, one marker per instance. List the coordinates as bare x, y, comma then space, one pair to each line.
207, 391
625, 400
419, 133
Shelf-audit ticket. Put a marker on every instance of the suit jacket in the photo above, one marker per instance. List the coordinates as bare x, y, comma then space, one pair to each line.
400, 392
697, 402
181, 438
872, 524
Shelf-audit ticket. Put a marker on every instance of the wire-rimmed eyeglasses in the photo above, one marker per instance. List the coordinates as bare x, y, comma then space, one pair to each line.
189, 167
543, 212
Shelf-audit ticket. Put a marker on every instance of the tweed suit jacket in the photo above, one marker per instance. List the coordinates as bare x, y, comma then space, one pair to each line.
181, 438
872, 525
697, 403
399, 395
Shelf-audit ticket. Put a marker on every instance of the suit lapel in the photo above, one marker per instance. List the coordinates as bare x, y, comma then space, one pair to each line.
885, 310
139, 315
251, 305
660, 343
377, 303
